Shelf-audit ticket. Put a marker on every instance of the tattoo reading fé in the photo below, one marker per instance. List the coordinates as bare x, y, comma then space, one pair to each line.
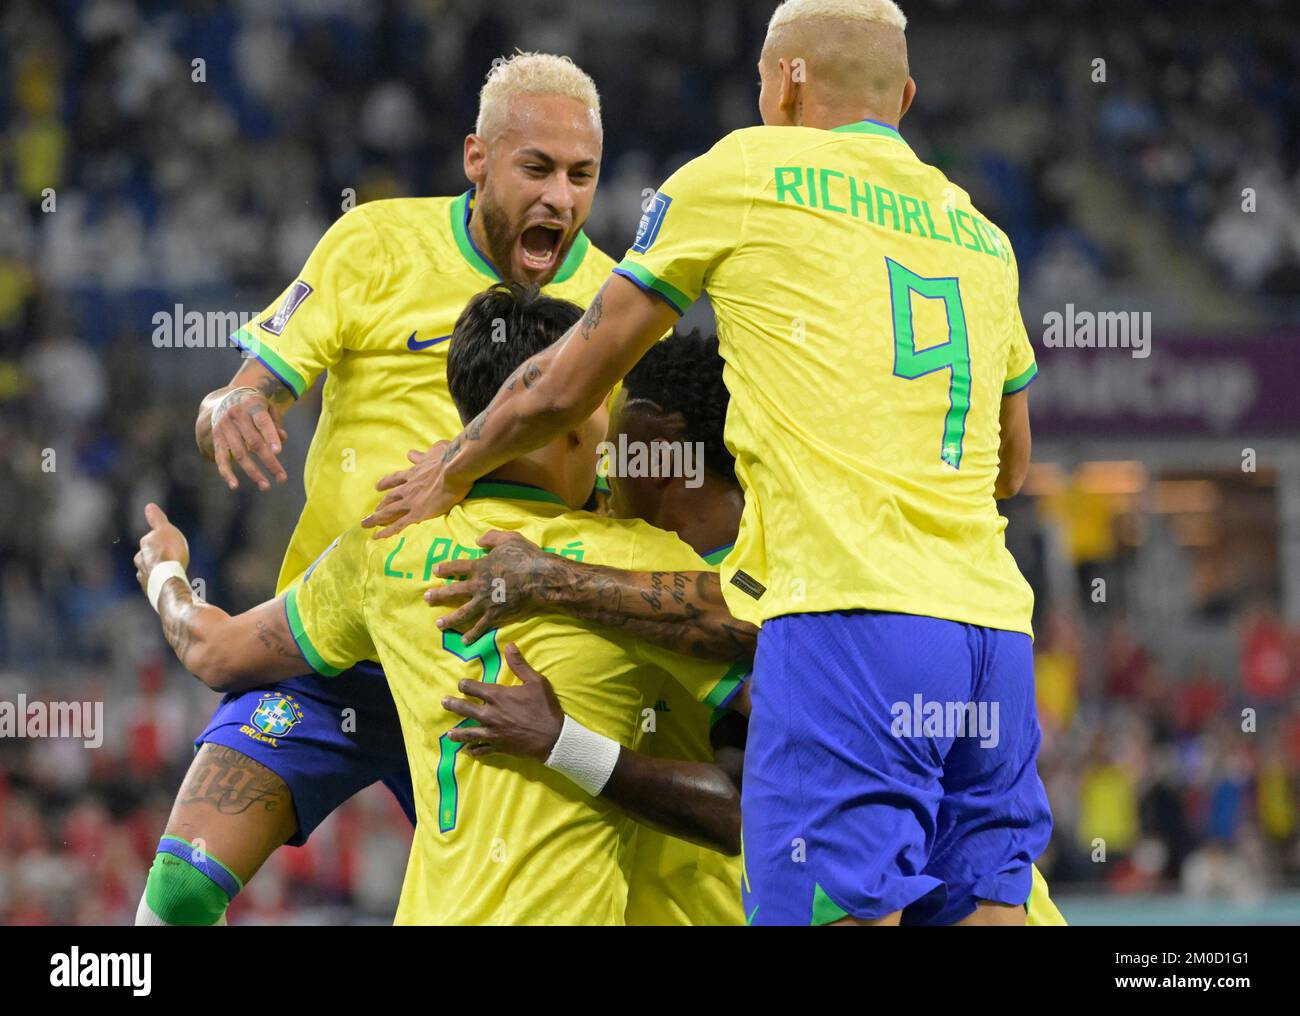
231, 782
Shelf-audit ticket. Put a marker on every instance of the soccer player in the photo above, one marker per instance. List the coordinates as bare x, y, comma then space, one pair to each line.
877, 364
674, 396
517, 842
683, 780
373, 306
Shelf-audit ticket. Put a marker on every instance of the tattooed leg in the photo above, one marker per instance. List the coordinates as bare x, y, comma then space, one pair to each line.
239, 809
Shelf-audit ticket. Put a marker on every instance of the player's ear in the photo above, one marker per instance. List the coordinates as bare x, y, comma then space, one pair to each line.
789, 89
909, 93
476, 154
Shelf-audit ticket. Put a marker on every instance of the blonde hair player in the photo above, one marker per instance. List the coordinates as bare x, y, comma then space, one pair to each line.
374, 307
872, 442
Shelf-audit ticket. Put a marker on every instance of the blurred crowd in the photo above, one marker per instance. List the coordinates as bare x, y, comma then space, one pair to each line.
1162, 779
79, 827
204, 146
192, 152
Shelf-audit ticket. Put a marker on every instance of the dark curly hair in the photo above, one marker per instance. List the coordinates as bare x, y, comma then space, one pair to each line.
683, 374
484, 353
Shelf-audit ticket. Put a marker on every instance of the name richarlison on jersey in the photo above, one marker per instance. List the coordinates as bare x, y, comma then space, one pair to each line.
834, 191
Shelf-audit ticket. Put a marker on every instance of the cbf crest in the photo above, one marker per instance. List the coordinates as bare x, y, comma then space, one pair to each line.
276, 714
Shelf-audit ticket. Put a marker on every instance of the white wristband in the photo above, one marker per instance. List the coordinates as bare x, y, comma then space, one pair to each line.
585, 757
158, 578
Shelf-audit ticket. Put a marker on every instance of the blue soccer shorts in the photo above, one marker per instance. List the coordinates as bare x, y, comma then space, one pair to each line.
302, 731
890, 765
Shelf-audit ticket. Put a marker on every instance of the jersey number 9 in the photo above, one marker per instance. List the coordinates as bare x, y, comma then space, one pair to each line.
953, 355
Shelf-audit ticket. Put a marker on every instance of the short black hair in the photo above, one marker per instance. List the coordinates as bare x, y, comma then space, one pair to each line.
683, 374
497, 331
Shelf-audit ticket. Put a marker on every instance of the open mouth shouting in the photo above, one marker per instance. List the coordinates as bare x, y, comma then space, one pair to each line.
538, 248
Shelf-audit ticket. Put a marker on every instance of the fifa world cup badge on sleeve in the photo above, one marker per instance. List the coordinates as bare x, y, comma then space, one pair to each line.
293, 299
653, 217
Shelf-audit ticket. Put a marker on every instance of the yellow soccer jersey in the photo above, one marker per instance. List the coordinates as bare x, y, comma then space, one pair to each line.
868, 318
499, 840
675, 882
374, 306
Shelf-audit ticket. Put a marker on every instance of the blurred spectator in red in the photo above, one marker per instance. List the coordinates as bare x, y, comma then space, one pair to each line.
1126, 662
1200, 699
1265, 664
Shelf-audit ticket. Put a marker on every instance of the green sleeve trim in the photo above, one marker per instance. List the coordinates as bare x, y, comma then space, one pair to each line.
309, 651
726, 688
1020, 381
271, 360
647, 280
716, 557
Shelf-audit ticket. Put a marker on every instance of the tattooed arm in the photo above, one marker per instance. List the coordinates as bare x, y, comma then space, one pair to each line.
568, 382
227, 653
681, 611
241, 423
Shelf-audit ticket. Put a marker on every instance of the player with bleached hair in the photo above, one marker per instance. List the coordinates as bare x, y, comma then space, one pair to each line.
877, 363
374, 306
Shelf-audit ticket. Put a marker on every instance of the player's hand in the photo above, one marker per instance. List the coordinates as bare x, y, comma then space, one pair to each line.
414, 494
163, 542
246, 429
523, 720
514, 579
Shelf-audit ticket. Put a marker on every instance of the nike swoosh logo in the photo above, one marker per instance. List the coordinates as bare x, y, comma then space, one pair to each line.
415, 345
